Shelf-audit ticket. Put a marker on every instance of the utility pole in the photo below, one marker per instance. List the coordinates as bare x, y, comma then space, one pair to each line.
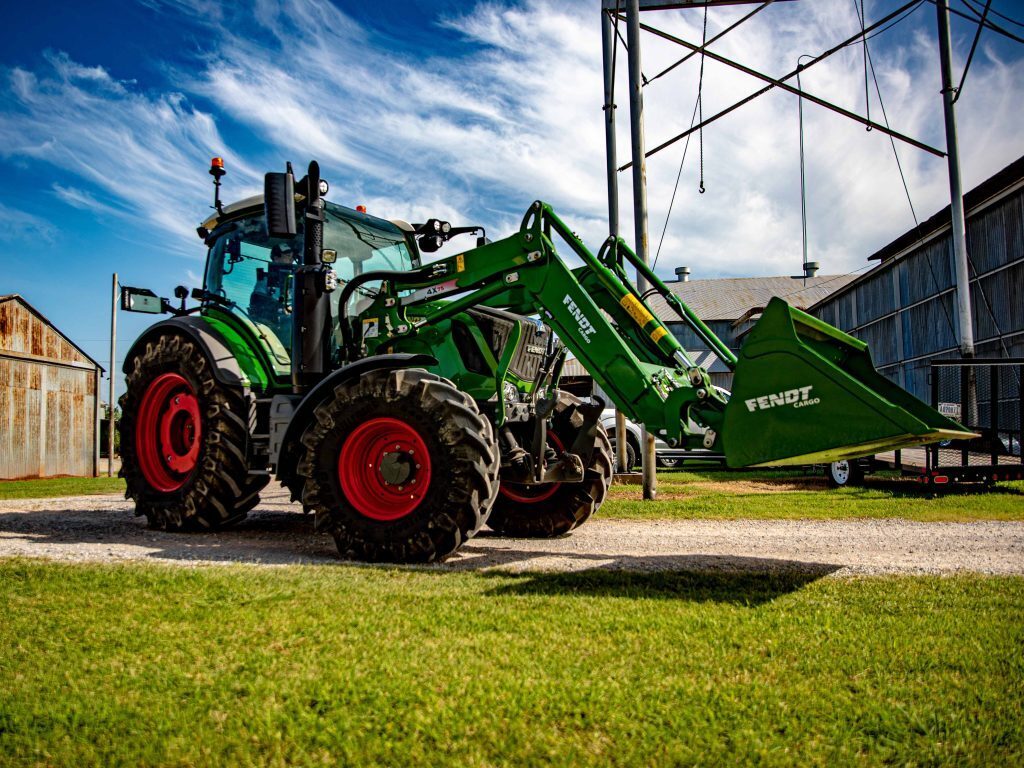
636, 124
608, 49
956, 194
113, 367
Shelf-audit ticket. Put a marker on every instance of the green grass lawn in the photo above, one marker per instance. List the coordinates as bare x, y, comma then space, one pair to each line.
133, 665
794, 494
59, 486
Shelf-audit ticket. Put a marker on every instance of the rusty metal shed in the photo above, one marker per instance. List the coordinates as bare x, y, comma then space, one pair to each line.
49, 404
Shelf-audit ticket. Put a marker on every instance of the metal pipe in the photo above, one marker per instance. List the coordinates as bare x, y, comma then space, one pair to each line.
636, 121
608, 49
803, 179
963, 287
97, 387
113, 367
608, 44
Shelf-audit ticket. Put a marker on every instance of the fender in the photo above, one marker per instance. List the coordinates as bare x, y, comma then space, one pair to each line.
289, 457
225, 367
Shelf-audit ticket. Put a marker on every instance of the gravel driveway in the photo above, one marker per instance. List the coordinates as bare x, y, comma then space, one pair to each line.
103, 529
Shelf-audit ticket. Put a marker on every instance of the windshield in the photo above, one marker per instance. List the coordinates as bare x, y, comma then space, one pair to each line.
364, 243
256, 273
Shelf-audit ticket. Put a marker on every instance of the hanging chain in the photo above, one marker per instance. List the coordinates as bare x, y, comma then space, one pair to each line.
867, 98
700, 99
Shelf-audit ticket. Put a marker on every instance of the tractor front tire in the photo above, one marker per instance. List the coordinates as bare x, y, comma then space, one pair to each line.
400, 467
554, 509
183, 436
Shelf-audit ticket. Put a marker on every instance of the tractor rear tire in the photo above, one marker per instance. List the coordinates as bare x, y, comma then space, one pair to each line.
183, 436
554, 509
400, 467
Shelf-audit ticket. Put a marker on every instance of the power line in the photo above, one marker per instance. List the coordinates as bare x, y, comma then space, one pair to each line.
970, 56
720, 35
994, 12
887, 27
975, 16
675, 189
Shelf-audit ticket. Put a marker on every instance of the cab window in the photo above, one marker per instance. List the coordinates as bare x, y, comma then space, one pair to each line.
256, 274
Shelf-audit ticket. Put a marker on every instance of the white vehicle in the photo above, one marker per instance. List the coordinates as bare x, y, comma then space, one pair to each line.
665, 456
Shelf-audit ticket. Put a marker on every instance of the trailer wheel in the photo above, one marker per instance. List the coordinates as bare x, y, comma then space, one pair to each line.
555, 509
841, 474
400, 467
183, 437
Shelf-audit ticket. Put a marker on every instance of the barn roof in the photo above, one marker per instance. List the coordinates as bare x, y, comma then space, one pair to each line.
731, 298
21, 299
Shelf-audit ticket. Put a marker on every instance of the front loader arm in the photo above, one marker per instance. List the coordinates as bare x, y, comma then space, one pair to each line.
803, 391
597, 314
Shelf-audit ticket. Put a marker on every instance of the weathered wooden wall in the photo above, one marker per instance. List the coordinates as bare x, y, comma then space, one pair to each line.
905, 308
48, 398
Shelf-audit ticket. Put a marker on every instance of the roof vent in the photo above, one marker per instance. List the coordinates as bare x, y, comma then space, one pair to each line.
810, 270
683, 274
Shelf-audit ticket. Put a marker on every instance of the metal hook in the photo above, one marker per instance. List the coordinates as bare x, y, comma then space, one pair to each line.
701, 188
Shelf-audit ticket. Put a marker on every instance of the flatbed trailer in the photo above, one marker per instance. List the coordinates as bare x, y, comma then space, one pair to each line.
940, 466
984, 395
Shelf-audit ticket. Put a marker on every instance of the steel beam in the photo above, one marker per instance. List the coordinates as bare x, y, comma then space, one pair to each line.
781, 83
956, 194
636, 124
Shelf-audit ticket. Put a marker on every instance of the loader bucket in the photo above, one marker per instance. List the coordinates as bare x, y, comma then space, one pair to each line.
807, 393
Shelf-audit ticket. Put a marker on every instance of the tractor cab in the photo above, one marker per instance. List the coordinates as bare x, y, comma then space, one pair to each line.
254, 273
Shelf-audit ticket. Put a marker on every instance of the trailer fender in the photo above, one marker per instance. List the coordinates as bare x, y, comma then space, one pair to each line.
225, 367
289, 456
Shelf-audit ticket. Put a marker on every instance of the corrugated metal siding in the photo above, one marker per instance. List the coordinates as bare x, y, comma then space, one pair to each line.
47, 399
906, 335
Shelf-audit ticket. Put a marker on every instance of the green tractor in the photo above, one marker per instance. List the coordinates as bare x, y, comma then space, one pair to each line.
408, 403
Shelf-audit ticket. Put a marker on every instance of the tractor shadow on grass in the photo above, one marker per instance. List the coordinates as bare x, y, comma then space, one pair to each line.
748, 585
736, 579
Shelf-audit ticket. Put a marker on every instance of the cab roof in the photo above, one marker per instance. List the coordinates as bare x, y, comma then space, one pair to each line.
255, 203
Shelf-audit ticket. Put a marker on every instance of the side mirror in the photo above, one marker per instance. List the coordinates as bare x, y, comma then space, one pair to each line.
141, 300
279, 204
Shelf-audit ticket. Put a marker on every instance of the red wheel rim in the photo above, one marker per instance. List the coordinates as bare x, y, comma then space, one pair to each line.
532, 494
384, 469
168, 432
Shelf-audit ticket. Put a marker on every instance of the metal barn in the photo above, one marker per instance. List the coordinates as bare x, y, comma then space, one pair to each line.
905, 308
49, 404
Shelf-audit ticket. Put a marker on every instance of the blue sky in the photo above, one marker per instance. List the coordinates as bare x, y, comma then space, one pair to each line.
109, 113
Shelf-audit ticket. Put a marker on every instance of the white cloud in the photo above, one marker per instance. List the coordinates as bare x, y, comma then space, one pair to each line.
146, 153
17, 226
85, 201
508, 109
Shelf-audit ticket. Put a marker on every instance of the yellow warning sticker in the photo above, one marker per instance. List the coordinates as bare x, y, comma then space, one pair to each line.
657, 333
460, 263
636, 310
